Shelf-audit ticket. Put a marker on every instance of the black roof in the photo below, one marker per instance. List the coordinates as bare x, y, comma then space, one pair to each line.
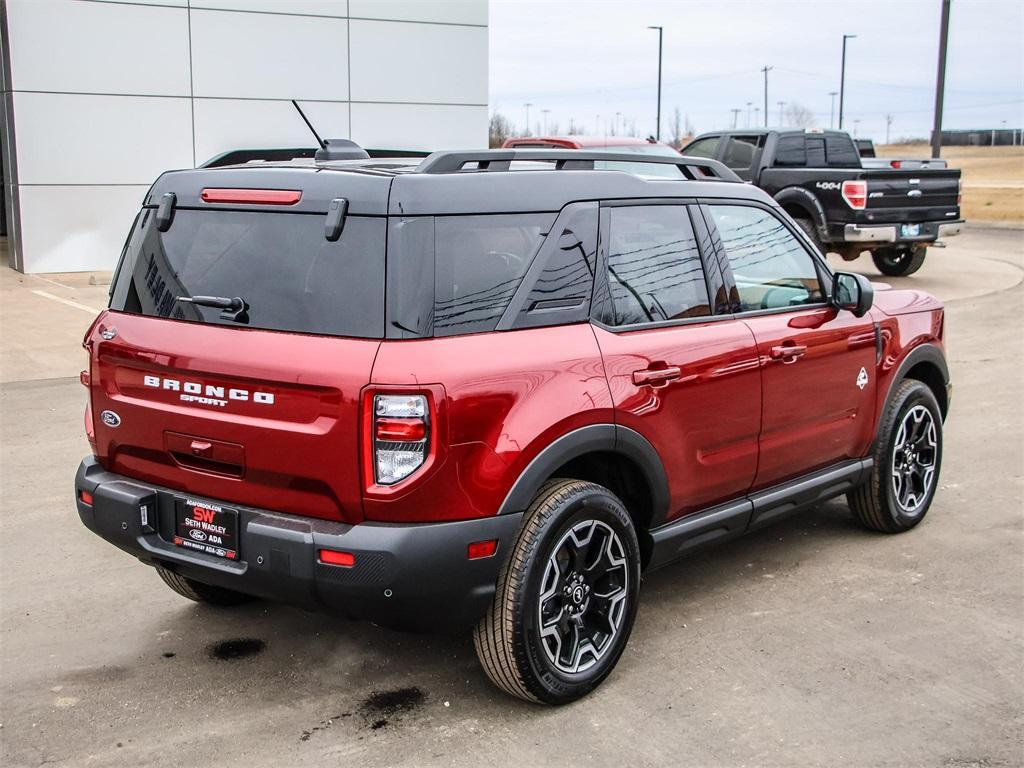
479, 181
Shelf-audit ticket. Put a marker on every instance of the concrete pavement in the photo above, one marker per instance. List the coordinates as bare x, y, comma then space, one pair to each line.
808, 643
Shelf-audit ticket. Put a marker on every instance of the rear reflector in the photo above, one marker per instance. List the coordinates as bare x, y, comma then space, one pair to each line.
331, 557
252, 196
481, 549
86, 497
84, 378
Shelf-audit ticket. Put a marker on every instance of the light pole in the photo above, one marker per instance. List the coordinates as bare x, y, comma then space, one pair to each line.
842, 80
888, 125
749, 105
657, 129
856, 123
782, 106
766, 69
757, 115
617, 116
527, 105
832, 109
940, 80
545, 113
735, 117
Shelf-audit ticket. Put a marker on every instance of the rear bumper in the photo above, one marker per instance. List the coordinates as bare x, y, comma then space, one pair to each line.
892, 233
407, 576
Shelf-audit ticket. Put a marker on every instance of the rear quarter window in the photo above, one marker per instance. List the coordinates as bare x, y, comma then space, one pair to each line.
790, 152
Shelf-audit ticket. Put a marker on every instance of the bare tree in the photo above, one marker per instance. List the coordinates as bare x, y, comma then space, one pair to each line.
630, 128
799, 116
675, 127
500, 129
689, 130
553, 128
574, 130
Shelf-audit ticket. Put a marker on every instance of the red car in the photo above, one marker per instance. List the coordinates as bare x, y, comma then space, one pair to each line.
447, 393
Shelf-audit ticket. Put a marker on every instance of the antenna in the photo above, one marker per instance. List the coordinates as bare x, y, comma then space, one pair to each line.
321, 142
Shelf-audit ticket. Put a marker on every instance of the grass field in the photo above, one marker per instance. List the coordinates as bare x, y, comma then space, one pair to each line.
993, 178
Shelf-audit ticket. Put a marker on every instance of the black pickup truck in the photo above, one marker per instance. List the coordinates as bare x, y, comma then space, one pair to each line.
818, 177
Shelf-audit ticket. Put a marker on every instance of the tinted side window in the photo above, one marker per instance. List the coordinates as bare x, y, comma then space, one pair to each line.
654, 267
739, 155
479, 262
789, 151
841, 152
770, 267
703, 147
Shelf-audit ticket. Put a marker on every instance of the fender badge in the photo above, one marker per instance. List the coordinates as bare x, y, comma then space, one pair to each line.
862, 378
111, 419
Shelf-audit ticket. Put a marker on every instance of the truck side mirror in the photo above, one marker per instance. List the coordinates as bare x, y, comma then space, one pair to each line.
852, 292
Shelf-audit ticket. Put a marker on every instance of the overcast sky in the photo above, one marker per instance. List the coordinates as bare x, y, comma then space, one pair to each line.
584, 58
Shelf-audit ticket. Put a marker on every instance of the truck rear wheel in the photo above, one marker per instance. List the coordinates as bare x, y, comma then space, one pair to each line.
812, 232
201, 593
898, 262
566, 598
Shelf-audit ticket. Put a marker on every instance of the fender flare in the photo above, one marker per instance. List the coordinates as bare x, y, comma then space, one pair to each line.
806, 200
609, 438
925, 352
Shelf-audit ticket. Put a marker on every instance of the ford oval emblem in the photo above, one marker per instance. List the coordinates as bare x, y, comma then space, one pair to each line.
198, 535
111, 419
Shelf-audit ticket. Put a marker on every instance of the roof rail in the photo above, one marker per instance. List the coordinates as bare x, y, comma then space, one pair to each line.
284, 154
694, 168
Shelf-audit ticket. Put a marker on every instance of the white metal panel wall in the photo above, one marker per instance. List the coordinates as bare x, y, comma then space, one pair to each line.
106, 95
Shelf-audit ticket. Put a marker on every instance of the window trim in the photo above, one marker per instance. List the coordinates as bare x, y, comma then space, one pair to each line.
601, 278
824, 273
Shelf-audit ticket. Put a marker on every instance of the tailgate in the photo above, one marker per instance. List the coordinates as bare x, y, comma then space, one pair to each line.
913, 195
252, 417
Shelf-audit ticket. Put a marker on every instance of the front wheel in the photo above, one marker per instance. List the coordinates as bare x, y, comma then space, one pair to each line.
898, 262
566, 597
907, 459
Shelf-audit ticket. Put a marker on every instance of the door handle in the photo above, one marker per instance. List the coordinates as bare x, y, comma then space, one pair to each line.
656, 377
787, 353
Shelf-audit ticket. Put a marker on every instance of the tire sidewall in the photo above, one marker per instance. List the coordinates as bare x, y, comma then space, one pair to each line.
908, 398
592, 504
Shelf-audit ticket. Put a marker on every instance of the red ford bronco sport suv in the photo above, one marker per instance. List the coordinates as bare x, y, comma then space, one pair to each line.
489, 390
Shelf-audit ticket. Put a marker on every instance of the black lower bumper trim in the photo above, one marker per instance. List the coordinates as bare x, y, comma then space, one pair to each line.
407, 576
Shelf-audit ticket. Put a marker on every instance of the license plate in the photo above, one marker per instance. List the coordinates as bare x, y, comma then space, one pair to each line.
910, 230
205, 527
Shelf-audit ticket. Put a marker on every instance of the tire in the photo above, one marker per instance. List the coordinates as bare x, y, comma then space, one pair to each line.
201, 593
894, 498
896, 262
543, 579
812, 232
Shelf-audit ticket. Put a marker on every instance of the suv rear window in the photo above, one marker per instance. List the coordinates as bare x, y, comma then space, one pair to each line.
280, 264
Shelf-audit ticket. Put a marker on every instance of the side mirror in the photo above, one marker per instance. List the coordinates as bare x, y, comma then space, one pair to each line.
852, 292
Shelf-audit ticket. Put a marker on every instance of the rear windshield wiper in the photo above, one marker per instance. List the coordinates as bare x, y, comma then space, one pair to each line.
236, 309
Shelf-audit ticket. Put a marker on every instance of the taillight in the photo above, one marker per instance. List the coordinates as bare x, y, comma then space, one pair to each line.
855, 193
895, 164
401, 436
253, 196
86, 497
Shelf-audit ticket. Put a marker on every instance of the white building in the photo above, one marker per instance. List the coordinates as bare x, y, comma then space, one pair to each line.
101, 96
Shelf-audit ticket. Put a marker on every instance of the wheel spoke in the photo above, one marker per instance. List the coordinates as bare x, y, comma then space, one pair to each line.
914, 458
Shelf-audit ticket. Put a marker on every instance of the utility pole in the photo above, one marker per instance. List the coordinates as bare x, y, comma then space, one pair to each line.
832, 109
527, 105
749, 105
757, 115
842, 80
766, 69
940, 80
735, 117
856, 124
657, 130
888, 125
545, 113
782, 106
617, 116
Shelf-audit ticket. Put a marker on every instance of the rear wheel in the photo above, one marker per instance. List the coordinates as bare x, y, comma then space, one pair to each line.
201, 593
812, 232
907, 459
566, 598
898, 262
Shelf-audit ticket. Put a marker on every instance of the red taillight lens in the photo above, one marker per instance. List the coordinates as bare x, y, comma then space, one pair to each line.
400, 430
86, 497
895, 164
855, 193
332, 557
401, 436
252, 196
481, 549
84, 378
